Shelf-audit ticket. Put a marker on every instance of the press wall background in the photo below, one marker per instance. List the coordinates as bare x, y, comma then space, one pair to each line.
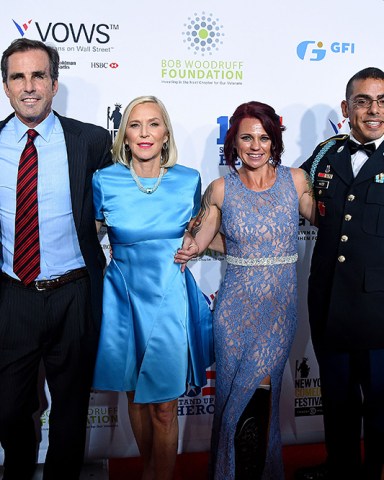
203, 59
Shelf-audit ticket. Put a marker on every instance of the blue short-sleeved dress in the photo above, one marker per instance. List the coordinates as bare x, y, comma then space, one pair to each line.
156, 333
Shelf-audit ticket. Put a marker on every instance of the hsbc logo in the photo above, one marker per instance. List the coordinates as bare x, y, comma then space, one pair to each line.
104, 65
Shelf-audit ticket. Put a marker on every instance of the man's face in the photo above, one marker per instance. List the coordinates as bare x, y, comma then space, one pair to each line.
29, 86
367, 123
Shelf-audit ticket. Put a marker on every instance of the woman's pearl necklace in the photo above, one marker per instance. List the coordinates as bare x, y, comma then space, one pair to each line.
140, 186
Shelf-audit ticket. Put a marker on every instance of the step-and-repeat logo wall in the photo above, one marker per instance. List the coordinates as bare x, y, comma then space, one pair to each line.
203, 61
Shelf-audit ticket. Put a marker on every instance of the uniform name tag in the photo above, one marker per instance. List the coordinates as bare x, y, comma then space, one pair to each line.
322, 184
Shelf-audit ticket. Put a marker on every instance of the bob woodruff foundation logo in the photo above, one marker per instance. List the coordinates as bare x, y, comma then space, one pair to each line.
203, 34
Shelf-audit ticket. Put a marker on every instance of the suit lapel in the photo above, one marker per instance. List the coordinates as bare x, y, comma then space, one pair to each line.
4, 122
77, 154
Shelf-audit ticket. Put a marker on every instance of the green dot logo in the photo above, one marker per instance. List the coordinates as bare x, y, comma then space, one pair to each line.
203, 34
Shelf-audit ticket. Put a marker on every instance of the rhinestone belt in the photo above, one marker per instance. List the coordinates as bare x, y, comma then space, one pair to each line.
261, 262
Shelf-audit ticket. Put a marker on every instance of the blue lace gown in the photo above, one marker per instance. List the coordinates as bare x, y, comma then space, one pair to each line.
156, 332
255, 316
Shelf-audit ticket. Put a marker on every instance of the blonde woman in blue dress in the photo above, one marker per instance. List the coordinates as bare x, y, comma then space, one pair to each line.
156, 329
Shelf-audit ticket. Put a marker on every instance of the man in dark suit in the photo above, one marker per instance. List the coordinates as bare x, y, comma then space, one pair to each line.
346, 284
53, 315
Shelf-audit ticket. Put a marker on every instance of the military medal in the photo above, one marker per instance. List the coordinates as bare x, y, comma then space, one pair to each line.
321, 208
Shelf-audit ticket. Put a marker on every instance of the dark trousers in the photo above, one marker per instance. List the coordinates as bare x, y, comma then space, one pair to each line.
352, 386
54, 327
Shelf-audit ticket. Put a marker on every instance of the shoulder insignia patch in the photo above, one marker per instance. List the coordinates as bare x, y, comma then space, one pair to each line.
336, 137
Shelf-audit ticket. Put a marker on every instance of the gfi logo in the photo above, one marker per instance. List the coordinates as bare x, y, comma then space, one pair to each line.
104, 65
315, 51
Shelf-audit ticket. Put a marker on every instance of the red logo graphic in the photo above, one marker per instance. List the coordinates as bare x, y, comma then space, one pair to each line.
22, 29
210, 388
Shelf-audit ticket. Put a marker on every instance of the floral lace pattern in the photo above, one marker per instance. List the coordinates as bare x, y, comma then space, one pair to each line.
255, 316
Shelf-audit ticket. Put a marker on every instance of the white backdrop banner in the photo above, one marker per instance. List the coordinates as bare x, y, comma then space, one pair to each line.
202, 61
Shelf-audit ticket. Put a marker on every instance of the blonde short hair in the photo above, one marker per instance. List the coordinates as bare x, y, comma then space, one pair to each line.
169, 151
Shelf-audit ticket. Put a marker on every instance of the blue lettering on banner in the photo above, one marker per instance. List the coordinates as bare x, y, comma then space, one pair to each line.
315, 51
343, 47
223, 123
196, 406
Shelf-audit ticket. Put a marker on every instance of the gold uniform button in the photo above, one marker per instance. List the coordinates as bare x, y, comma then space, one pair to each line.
351, 198
341, 259
344, 238
348, 217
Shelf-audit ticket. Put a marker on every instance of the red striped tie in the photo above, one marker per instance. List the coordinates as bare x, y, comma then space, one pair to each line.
26, 258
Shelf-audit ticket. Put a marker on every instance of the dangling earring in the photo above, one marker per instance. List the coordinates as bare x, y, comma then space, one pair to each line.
164, 154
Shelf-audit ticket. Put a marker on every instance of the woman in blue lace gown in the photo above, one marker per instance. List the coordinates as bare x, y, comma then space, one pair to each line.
156, 327
257, 206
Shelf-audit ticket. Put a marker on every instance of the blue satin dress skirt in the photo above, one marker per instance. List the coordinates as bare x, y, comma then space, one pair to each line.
156, 333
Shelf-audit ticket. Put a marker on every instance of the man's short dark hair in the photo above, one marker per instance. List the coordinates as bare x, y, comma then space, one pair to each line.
370, 72
25, 44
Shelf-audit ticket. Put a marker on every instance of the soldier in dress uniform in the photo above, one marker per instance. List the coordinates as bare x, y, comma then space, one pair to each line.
346, 284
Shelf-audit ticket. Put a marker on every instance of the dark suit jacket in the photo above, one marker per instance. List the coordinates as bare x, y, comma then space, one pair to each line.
88, 149
346, 284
